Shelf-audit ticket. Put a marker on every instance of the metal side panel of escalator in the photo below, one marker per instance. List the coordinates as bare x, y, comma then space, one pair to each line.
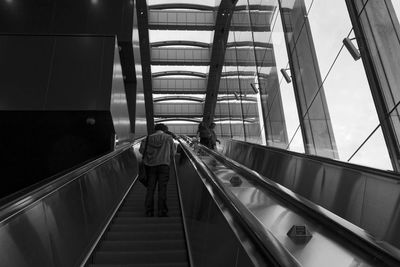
288, 228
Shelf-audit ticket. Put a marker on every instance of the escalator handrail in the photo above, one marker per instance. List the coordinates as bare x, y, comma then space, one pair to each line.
268, 244
18, 205
347, 230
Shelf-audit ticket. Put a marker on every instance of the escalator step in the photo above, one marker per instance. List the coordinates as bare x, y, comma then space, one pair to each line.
178, 256
171, 205
128, 220
133, 240
141, 214
129, 236
142, 245
172, 264
156, 227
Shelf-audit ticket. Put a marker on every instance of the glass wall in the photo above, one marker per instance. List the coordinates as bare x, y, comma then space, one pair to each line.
249, 88
352, 112
337, 114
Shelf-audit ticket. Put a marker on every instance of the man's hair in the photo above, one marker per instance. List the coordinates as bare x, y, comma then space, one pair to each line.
161, 126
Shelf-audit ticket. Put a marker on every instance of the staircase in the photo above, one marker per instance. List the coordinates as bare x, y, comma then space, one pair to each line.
135, 240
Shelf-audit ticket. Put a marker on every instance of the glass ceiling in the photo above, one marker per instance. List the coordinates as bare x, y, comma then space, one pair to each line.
165, 28
175, 35
212, 3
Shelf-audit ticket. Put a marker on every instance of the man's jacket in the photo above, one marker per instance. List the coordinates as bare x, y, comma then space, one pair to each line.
159, 150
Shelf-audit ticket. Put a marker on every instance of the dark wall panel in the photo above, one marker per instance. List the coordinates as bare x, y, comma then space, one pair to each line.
112, 17
38, 144
82, 73
24, 66
56, 72
57, 58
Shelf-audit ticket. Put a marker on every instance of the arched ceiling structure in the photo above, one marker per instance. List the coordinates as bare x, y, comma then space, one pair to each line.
186, 44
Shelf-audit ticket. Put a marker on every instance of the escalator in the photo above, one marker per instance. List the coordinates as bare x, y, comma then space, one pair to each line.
95, 216
137, 240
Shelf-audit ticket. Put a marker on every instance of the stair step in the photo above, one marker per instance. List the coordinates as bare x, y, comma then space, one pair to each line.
127, 220
142, 198
172, 264
153, 256
131, 236
156, 227
142, 210
134, 240
141, 214
142, 245
141, 205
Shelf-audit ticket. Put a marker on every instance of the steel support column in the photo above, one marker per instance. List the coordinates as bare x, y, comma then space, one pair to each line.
143, 27
221, 33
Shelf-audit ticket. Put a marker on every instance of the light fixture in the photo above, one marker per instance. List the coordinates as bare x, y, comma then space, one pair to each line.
286, 75
253, 86
351, 48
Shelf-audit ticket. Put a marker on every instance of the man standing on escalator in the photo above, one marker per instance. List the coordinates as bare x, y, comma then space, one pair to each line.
160, 150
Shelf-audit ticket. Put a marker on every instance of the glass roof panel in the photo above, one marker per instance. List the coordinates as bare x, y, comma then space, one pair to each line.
158, 68
212, 3
175, 35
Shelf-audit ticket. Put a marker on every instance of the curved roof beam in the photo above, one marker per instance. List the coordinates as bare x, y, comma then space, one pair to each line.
200, 100
242, 73
256, 7
183, 6
234, 119
210, 8
176, 43
249, 43
206, 45
198, 120
164, 115
188, 98
179, 119
232, 97
178, 73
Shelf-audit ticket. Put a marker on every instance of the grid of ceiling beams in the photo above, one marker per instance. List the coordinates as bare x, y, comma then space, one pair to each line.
180, 48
